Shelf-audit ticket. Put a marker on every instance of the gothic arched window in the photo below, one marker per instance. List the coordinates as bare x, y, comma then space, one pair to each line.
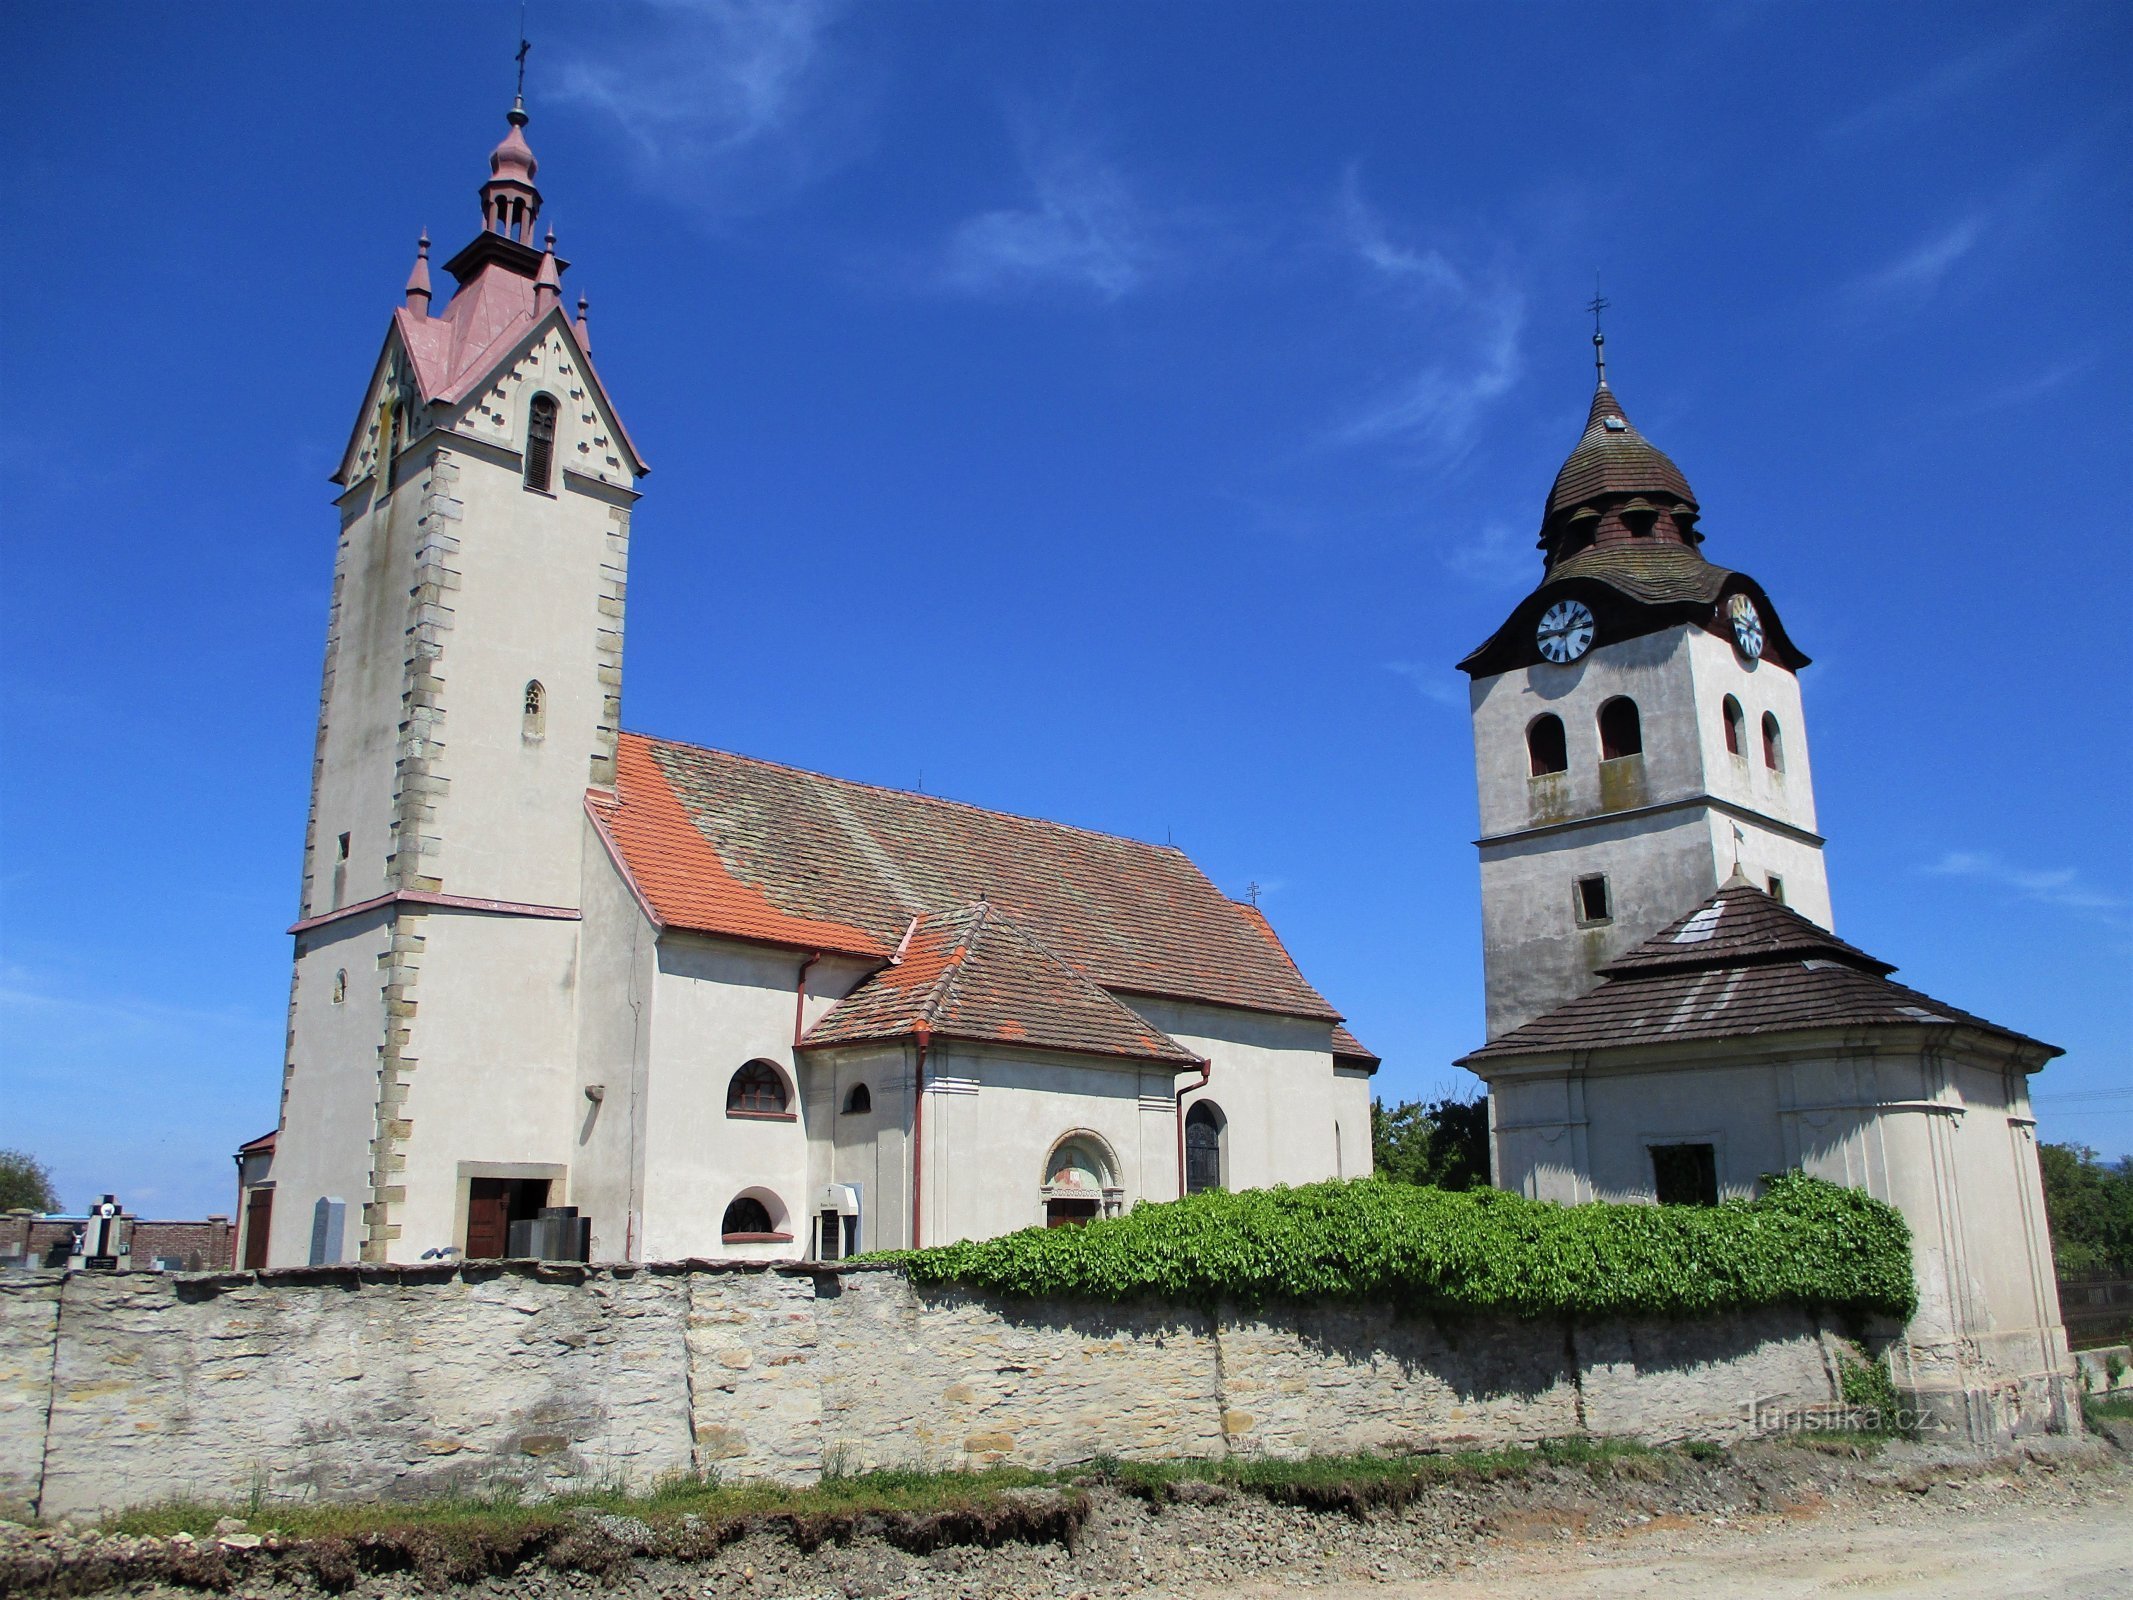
1203, 1148
1736, 724
757, 1090
746, 1218
540, 441
1621, 733
859, 1101
1547, 750
1773, 744
534, 722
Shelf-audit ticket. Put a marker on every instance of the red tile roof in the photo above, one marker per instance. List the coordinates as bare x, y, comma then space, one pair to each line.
724, 844
972, 974
1346, 1046
1739, 965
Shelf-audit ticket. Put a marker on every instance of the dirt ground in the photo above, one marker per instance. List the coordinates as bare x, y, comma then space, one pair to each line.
2079, 1544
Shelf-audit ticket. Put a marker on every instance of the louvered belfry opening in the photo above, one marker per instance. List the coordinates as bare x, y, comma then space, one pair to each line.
540, 441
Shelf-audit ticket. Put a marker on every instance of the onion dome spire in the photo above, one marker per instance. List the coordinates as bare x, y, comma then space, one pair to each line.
509, 201
1616, 487
418, 281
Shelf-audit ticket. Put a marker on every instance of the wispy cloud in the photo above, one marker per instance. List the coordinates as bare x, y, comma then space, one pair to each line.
2023, 391
1082, 229
2063, 887
726, 105
1434, 683
1468, 319
1918, 273
1952, 81
1496, 558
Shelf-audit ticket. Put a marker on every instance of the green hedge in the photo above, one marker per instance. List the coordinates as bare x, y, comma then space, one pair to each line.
1803, 1242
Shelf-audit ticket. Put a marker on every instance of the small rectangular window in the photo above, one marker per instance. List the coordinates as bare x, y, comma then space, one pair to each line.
1685, 1174
344, 848
1592, 899
1777, 888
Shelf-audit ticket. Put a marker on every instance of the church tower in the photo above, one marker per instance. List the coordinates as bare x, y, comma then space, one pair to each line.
1637, 731
471, 695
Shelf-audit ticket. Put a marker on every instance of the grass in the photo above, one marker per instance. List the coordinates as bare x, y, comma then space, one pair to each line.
2115, 1408
887, 1491
1347, 1482
466, 1538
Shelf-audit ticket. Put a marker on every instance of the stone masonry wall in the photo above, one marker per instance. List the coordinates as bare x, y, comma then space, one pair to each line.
382, 1382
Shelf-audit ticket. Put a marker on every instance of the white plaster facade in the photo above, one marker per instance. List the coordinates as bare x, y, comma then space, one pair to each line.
1664, 827
483, 995
1938, 1125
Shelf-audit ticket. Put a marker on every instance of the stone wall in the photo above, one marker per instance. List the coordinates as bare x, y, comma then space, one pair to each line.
383, 1382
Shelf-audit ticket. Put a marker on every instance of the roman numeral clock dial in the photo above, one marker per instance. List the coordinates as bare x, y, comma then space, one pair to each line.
1565, 631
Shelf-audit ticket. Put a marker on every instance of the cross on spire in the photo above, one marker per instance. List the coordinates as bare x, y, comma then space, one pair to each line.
524, 44
1596, 305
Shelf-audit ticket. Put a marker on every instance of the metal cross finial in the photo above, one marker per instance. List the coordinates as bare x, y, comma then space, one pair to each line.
1598, 304
1252, 889
524, 44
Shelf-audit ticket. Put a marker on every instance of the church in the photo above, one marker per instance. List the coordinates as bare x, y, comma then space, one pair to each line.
716, 1006
688, 1003
1669, 1016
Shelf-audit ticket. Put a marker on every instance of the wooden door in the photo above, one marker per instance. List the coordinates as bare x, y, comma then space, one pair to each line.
258, 1221
488, 1218
1068, 1213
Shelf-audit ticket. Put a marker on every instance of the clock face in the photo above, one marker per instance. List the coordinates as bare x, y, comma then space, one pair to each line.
1565, 631
1747, 626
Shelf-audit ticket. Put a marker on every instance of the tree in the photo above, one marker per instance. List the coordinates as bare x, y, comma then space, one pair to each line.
1444, 1143
2090, 1208
26, 1183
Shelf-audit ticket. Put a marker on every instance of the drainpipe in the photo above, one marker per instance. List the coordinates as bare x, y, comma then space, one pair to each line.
799, 997
924, 1036
1207, 1070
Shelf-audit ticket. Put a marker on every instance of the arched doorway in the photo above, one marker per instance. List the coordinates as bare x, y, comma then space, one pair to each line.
1080, 1182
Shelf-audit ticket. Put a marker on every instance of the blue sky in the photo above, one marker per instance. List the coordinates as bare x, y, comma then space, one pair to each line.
1119, 413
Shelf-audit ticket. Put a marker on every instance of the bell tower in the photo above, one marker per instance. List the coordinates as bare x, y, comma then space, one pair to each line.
471, 695
1638, 733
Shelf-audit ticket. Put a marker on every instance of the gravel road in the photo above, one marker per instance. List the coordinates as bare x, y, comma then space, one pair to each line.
2072, 1540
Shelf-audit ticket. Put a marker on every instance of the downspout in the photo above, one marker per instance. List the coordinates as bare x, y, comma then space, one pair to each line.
799, 998
1207, 1070
924, 1036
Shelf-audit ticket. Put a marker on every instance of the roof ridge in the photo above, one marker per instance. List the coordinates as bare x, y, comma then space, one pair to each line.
951, 973
913, 794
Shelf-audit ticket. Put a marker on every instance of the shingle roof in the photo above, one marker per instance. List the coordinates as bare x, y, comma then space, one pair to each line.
972, 974
1612, 457
1654, 571
1738, 965
724, 844
1346, 1046
1738, 925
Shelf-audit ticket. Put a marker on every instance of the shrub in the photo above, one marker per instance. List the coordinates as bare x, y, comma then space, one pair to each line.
1802, 1242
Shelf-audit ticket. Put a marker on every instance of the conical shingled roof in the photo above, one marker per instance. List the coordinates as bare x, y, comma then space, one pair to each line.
1739, 966
1738, 926
972, 974
1613, 458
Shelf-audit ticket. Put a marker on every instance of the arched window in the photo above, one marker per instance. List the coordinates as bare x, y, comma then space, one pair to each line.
1736, 726
757, 1090
1547, 750
747, 1218
1621, 733
1773, 744
540, 441
1203, 1148
859, 1101
535, 720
